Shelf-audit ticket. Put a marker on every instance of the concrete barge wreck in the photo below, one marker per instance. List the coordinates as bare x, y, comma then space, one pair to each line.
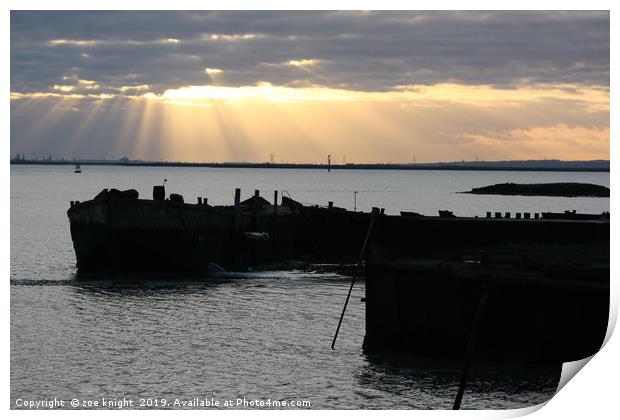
533, 287
118, 232
518, 290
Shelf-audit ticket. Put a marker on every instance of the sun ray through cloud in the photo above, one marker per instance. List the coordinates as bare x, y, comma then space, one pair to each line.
203, 91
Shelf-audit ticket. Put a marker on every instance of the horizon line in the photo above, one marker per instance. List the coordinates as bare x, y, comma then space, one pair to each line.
595, 165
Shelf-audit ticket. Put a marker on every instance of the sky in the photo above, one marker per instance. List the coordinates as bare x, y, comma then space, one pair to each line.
295, 86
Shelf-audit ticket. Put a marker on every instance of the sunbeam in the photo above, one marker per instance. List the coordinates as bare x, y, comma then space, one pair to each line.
304, 124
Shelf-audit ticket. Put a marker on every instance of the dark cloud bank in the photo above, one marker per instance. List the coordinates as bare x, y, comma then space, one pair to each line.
352, 50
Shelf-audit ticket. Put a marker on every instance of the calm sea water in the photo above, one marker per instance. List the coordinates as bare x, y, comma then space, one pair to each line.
259, 336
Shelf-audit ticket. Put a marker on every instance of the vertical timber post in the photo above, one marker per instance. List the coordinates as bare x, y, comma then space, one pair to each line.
237, 201
235, 230
274, 222
471, 344
255, 225
374, 214
255, 210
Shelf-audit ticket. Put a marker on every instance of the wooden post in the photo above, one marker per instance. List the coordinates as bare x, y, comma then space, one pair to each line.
374, 214
274, 222
237, 199
471, 344
255, 209
255, 226
330, 204
199, 200
237, 215
236, 221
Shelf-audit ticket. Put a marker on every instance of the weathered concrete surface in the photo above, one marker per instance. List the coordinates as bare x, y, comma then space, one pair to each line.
119, 234
448, 237
427, 308
547, 284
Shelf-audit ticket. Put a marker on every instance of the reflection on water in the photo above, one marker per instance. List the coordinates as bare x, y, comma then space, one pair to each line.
254, 336
489, 385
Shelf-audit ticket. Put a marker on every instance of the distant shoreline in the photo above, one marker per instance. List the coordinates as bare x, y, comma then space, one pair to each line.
557, 166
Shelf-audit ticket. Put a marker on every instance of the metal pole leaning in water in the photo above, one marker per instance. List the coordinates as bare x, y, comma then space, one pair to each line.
470, 349
375, 212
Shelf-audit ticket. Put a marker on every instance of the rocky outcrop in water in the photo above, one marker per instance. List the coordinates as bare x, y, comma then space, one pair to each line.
558, 189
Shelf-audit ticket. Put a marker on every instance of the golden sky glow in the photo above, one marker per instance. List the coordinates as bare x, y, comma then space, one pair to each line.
376, 86
441, 122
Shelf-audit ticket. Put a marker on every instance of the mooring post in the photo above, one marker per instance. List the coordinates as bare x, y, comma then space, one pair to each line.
275, 219
199, 200
236, 214
235, 228
237, 200
471, 343
374, 214
255, 209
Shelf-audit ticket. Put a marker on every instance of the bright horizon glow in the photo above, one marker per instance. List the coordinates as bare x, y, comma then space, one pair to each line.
442, 122
377, 86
